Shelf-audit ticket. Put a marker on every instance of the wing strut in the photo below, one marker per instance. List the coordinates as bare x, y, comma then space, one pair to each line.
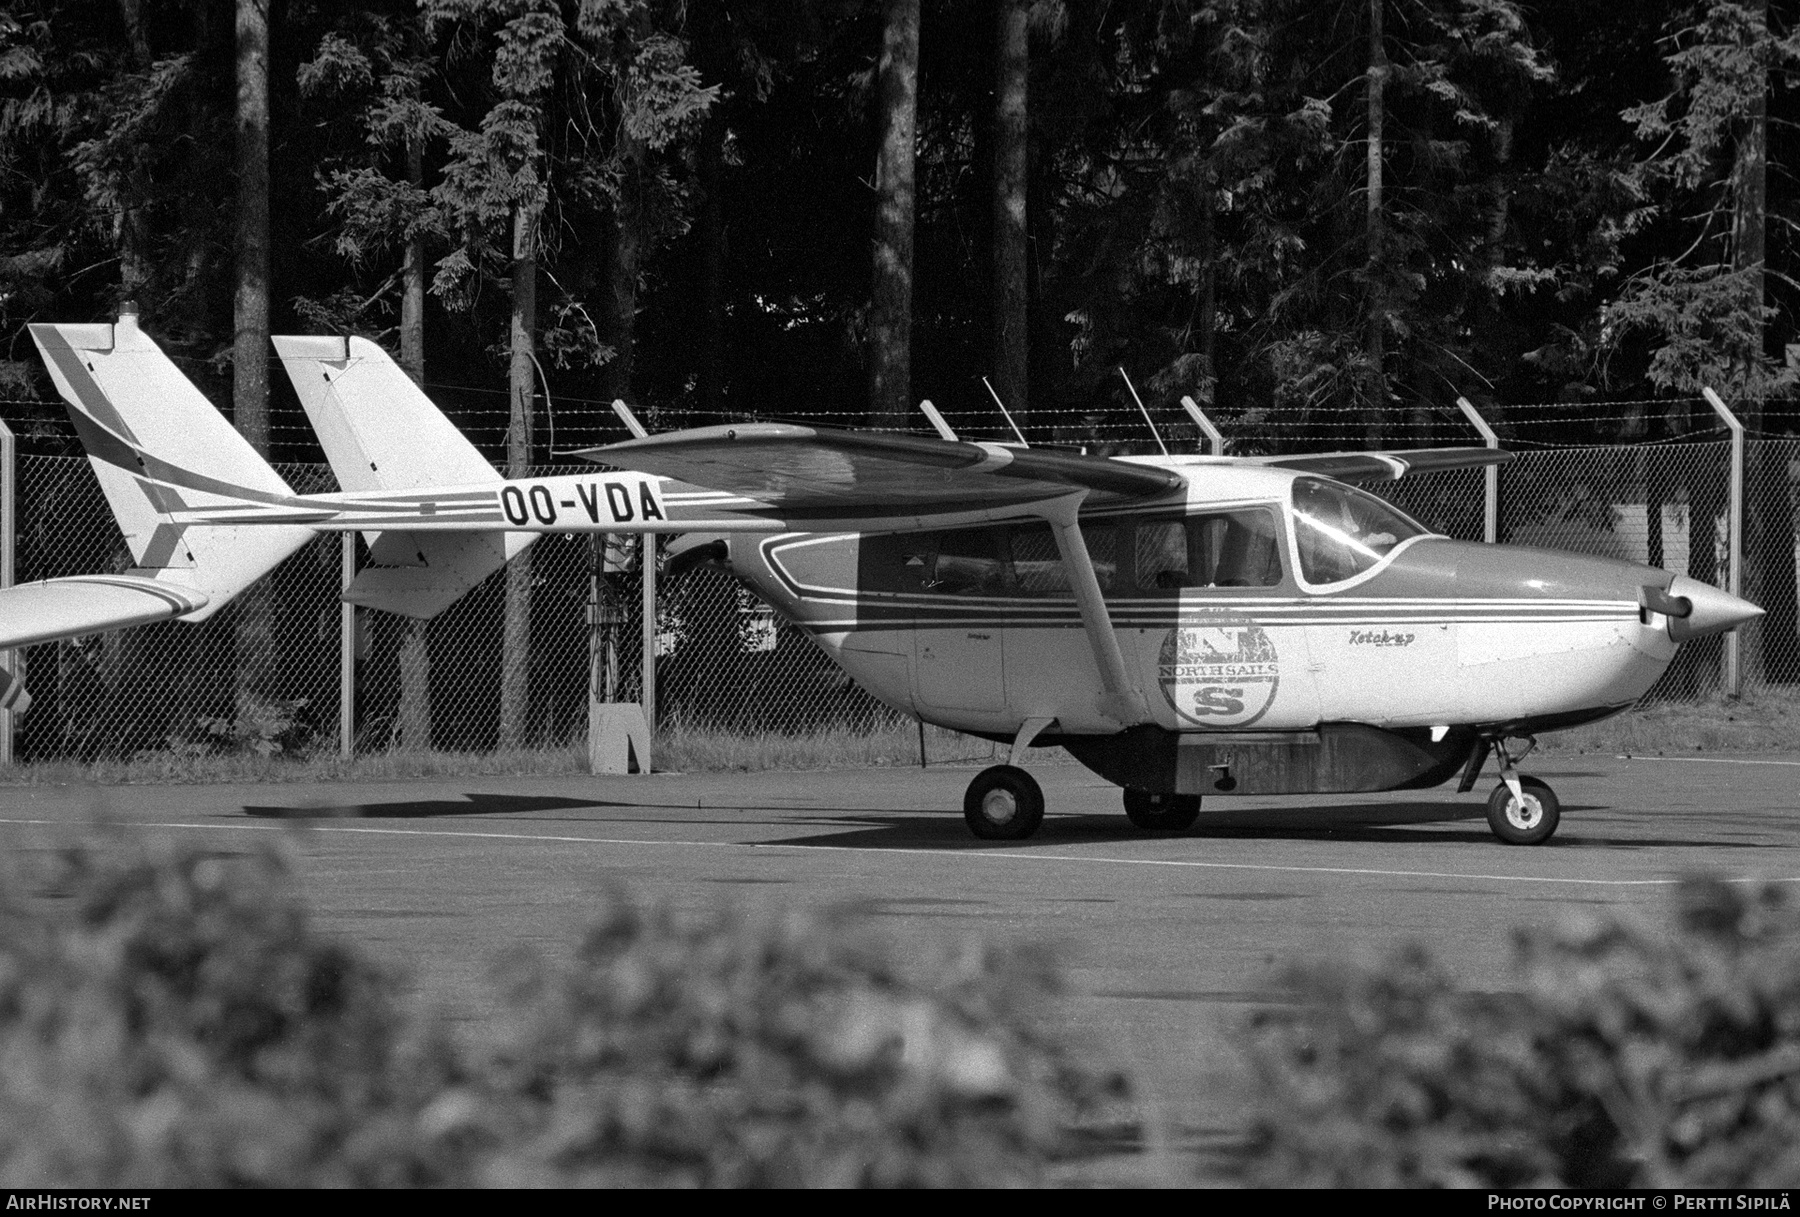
1118, 699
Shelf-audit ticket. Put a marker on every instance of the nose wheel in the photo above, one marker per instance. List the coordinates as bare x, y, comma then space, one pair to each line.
1522, 810
1003, 803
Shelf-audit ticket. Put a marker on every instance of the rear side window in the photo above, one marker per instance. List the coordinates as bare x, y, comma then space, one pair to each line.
1019, 560
1038, 566
972, 563
1237, 548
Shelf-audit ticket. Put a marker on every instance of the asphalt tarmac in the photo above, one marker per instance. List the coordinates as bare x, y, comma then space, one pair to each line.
1171, 941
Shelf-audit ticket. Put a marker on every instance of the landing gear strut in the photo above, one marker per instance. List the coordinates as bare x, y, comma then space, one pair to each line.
1521, 810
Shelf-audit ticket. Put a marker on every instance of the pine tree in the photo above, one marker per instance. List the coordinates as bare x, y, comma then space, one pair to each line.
1705, 309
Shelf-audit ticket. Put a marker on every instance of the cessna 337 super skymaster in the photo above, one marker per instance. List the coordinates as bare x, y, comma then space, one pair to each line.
1183, 625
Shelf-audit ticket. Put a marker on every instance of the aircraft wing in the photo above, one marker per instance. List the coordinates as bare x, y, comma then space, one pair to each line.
816, 473
1387, 466
88, 604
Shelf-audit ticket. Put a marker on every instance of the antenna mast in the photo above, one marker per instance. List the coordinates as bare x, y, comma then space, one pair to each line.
1144, 412
1008, 413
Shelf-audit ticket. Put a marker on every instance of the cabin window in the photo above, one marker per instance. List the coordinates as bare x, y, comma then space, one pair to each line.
1162, 554
1018, 560
972, 563
1038, 565
1239, 548
1343, 531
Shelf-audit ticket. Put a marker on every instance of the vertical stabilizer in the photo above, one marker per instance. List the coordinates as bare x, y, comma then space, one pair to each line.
380, 432
157, 445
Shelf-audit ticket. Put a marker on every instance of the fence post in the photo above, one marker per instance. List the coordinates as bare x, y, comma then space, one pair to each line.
347, 655
1490, 531
1734, 677
9, 531
1215, 438
648, 564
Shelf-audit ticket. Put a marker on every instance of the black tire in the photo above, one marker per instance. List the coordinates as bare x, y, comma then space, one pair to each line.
1003, 803
1161, 812
1532, 824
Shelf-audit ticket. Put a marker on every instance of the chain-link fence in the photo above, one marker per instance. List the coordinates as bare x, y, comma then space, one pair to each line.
726, 663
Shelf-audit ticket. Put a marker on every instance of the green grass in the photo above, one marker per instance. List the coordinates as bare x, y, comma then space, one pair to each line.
1766, 720
678, 750
1761, 721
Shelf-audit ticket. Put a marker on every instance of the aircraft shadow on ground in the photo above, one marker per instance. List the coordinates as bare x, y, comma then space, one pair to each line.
1399, 823
1372, 823
413, 809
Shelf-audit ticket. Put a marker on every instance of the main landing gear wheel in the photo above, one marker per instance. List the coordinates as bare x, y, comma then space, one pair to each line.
1530, 822
1161, 812
1003, 803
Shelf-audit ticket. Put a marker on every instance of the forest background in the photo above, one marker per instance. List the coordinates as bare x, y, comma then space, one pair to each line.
1325, 220
1336, 213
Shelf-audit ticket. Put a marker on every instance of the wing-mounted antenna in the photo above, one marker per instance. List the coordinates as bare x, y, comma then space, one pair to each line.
1144, 412
936, 420
629, 419
1006, 412
1215, 438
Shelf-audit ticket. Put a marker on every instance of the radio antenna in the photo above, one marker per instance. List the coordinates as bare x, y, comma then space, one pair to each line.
1144, 412
1005, 411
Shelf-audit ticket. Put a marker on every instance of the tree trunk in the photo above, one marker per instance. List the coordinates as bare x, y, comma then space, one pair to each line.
624, 247
712, 270
412, 282
131, 12
1376, 340
134, 266
515, 662
250, 350
1013, 61
1208, 322
1768, 541
890, 305
415, 657
257, 663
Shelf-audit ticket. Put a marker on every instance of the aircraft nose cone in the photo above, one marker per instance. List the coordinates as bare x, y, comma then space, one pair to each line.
1713, 611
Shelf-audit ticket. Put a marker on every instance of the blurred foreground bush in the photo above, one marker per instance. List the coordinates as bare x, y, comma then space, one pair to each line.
779, 1050
1626, 1056
170, 1018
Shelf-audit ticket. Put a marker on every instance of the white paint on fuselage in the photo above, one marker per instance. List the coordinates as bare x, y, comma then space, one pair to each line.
1253, 659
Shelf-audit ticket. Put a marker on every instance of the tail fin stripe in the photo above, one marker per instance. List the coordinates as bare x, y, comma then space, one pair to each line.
107, 438
161, 470
93, 398
162, 545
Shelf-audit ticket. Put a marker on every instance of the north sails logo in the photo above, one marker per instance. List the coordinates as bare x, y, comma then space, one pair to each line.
1219, 675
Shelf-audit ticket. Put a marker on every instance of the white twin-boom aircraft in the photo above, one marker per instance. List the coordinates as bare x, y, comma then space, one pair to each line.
1183, 625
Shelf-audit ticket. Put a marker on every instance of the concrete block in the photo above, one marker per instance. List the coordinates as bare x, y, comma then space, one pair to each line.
618, 738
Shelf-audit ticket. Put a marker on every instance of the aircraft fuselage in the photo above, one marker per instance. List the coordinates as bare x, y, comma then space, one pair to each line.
1265, 663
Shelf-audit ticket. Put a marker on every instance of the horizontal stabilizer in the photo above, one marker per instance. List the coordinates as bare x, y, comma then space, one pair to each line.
1386, 466
445, 567
88, 604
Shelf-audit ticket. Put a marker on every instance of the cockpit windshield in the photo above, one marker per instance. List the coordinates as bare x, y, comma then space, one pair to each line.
1343, 531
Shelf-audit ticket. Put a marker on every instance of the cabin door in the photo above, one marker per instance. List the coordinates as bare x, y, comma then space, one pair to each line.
958, 658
